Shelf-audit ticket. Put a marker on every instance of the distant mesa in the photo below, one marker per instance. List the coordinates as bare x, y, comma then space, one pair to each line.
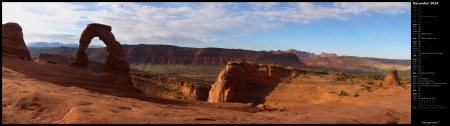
391, 79
324, 54
298, 53
169, 54
238, 81
115, 60
12, 41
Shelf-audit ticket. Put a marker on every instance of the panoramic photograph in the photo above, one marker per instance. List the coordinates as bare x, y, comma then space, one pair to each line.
206, 63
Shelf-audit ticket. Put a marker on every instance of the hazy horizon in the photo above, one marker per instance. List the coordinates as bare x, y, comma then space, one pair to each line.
380, 30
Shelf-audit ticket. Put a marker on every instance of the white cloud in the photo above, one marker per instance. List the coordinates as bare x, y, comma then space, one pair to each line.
210, 40
300, 13
134, 23
380, 7
238, 35
151, 24
265, 5
170, 37
307, 12
52, 37
45, 21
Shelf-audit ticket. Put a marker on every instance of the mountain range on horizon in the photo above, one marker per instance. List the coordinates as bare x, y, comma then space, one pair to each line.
58, 44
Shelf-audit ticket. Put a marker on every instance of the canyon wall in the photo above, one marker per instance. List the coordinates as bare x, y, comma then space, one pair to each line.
167, 54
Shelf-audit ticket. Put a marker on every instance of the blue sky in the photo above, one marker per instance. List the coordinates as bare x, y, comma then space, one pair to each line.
355, 29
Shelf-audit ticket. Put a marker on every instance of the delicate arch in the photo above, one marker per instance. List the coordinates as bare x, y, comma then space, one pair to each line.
115, 60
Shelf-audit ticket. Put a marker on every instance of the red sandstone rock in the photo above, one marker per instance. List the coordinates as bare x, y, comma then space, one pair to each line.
171, 86
323, 54
298, 53
115, 60
12, 41
248, 82
391, 79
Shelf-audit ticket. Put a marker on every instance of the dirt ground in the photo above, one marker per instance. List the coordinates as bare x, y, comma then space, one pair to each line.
34, 92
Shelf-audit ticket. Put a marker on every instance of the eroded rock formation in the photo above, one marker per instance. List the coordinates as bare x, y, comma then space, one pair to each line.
116, 62
171, 86
324, 54
12, 41
248, 82
391, 79
300, 54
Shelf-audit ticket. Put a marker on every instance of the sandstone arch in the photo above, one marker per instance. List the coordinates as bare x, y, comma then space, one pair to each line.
115, 61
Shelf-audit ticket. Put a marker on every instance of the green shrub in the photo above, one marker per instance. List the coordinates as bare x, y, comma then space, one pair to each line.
367, 87
343, 93
340, 79
404, 87
370, 83
356, 95
405, 79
